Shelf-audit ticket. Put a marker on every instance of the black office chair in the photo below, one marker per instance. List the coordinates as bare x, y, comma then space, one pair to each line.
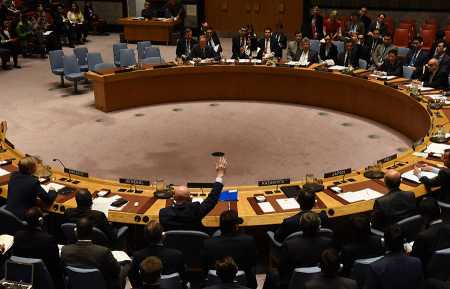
10, 223
98, 237
359, 270
410, 226
213, 279
83, 278
301, 275
172, 281
190, 243
28, 270
439, 265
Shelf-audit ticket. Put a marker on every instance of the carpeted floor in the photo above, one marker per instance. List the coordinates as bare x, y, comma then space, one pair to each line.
174, 142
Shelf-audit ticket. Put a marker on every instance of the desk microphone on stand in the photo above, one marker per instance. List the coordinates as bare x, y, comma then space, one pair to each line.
65, 169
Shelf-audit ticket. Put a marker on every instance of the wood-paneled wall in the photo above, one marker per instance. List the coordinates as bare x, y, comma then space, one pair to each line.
227, 16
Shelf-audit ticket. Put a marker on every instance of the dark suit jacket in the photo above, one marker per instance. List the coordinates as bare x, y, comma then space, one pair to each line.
364, 52
23, 190
226, 286
439, 80
434, 238
395, 271
352, 59
442, 180
197, 52
86, 254
292, 224
149, 13
420, 61
35, 243
332, 53
383, 28
275, 48
216, 41
171, 259
326, 282
360, 249
182, 46
393, 207
372, 44
301, 252
236, 47
313, 57
242, 248
395, 69
307, 27
188, 216
281, 38
97, 218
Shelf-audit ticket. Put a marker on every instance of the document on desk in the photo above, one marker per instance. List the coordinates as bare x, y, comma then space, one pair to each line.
244, 60
121, 256
288, 204
266, 207
7, 241
197, 199
410, 176
4, 172
55, 186
104, 204
337, 67
362, 195
294, 63
437, 148
230, 60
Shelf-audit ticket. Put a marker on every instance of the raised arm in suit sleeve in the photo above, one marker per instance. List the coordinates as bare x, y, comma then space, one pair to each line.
210, 202
434, 182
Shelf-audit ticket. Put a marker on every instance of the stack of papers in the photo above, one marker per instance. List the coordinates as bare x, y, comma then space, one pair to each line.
386, 77
7, 241
197, 200
294, 63
3, 172
55, 186
410, 176
244, 60
437, 148
288, 204
230, 61
337, 67
266, 207
104, 204
362, 195
121, 256
421, 88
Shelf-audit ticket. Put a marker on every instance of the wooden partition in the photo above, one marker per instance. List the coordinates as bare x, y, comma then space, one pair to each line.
228, 16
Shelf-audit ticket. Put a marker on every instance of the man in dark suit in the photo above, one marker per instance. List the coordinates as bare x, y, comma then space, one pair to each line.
372, 43
307, 56
363, 49
34, 242
392, 66
24, 189
303, 251
171, 259
98, 219
203, 50
185, 45
186, 215
379, 24
226, 269
416, 57
442, 180
436, 234
175, 9
295, 48
290, 225
268, 46
363, 244
313, 26
349, 57
213, 40
241, 44
395, 205
150, 270
328, 50
149, 12
435, 76
355, 25
442, 57
85, 253
365, 19
280, 37
395, 270
329, 278
241, 247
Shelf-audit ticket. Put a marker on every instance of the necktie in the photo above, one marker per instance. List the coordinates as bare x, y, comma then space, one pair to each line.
346, 59
413, 60
188, 47
267, 45
203, 53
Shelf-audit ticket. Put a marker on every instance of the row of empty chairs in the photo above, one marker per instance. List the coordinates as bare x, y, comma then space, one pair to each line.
147, 54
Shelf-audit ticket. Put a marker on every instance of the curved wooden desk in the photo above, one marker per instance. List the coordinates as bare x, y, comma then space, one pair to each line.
366, 98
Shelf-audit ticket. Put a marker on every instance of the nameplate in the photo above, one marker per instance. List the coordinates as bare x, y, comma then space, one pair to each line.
337, 173
387, 159
134, 182
199, 185
76, 173
274, 182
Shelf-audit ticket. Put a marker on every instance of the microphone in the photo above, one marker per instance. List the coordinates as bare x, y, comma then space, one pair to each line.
65, 169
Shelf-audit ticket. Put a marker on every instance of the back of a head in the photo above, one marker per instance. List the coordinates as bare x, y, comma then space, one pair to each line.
393, 238
392, 180
84, 229
83, 198
229, 222
306, 200
150, 270
226, 269
361, 227
310, 223
154, 232
429, 209
34, 217
329, 262
27, 165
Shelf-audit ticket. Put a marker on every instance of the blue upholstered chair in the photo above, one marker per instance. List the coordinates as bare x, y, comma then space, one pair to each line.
56, 58
116, 52
28, 270
141, 46
76, 278
94, 58
82, 57
72, 71
126, 57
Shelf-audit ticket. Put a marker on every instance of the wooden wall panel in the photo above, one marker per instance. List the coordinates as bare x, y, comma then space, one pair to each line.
227, 16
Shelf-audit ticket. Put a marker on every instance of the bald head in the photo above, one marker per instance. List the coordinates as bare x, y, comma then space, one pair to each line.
181, 194
392, 179
433, 65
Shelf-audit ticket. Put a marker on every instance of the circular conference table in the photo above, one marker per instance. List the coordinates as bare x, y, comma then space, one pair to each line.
371, 99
